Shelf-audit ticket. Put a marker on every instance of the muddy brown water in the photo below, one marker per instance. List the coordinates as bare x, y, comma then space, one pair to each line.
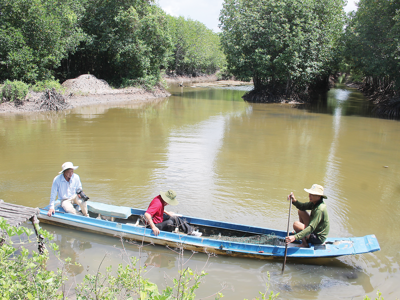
227, 160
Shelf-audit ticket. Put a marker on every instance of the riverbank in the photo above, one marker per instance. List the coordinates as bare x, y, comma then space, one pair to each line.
86, 90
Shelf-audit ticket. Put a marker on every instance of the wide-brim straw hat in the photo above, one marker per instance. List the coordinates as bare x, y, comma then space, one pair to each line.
169, 197
68, 165
316, 189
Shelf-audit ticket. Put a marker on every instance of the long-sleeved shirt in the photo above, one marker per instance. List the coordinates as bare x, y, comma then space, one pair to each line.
64, 189
319, 220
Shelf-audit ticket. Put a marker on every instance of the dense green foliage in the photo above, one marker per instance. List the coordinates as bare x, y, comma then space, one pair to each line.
125, 42
286, 46
35, 35
14, 91
373, 42
125, 39
372, 53
196, 49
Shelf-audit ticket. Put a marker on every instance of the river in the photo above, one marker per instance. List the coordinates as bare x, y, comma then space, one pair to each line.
227, 160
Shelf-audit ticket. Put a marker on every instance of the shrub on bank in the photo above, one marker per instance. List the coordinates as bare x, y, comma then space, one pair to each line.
148, 82
41, 86
223, 74
14, 91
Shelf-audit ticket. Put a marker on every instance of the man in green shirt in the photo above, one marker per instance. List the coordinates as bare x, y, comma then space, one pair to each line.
314, 227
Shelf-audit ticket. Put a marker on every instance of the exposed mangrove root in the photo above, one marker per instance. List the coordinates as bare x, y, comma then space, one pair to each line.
263, 96
383, 95
389, 108
51, 100
277, 92
268, 96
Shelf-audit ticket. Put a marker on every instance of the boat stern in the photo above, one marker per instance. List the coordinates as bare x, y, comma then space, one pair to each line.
369, 244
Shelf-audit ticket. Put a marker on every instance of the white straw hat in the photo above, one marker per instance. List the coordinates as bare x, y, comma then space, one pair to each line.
316, 189
68, 165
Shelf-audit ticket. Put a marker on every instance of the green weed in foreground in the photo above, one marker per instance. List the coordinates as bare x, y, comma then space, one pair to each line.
129, 283
23, 274
267, 295
378, 294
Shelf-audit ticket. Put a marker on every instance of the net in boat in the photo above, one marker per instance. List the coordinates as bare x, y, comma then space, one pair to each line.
264, 239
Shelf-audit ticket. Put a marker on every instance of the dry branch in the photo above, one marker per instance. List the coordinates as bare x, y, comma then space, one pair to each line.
51, 100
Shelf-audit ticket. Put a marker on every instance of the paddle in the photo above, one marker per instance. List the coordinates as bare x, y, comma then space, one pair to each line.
287, 234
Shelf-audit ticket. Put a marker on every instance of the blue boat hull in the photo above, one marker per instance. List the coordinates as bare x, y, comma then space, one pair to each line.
333, 247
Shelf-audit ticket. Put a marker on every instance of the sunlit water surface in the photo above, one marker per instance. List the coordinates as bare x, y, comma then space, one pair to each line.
227, 160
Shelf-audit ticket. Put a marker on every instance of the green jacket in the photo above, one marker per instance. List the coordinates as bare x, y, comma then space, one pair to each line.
319, 220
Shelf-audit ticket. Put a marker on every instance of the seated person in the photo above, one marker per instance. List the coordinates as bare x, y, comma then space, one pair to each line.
66, 185
155, 215
311, 228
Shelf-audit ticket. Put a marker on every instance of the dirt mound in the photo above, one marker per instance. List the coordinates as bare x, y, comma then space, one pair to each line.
87, 83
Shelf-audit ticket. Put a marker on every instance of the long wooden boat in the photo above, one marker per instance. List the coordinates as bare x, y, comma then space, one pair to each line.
127, 222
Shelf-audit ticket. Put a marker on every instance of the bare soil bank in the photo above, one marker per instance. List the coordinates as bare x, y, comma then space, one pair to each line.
84, 91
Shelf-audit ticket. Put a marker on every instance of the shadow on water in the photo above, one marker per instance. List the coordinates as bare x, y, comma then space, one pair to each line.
220, 93
341, 99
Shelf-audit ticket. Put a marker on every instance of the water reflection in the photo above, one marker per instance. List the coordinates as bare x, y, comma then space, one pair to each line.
333, 179
351, 101
72, 248
193, 148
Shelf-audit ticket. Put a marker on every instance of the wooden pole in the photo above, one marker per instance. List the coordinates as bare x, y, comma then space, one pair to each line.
287, 234
40, 238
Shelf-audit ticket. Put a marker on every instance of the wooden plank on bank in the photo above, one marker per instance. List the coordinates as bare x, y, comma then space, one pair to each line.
17, 214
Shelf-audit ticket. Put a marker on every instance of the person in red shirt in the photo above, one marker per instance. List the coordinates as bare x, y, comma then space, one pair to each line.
156, 210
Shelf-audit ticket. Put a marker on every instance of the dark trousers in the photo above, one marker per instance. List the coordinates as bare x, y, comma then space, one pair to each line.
170, 223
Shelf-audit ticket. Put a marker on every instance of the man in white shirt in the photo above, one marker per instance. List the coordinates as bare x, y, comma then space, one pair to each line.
66, 186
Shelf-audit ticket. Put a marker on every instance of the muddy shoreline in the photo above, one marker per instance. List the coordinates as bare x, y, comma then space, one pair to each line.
78, 99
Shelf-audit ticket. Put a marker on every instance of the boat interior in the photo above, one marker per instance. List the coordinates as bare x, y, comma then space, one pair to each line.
207, 231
